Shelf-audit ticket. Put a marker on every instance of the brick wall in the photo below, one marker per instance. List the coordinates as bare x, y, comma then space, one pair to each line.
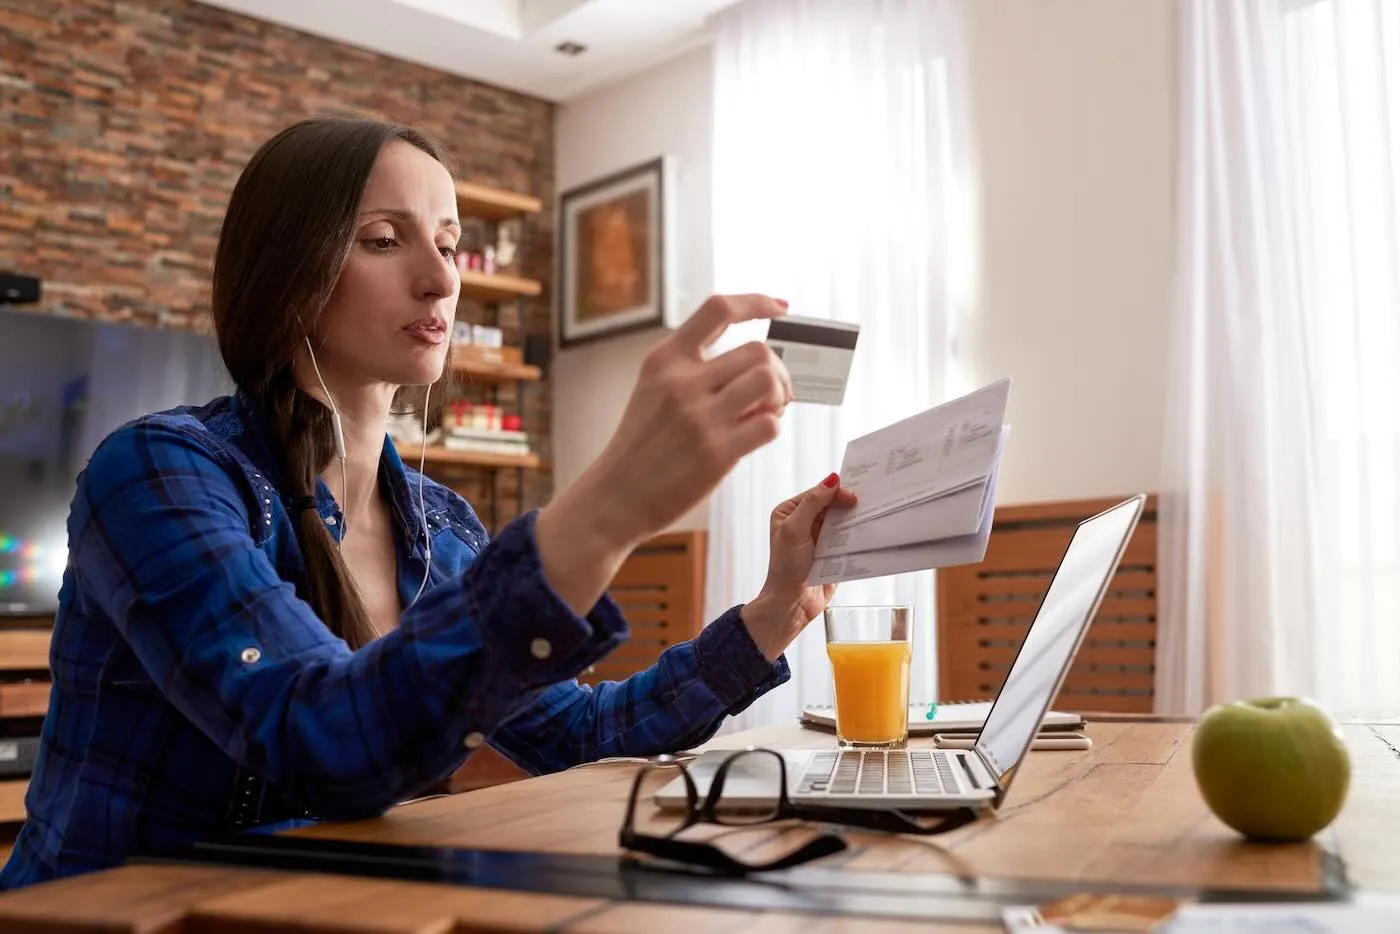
124, 124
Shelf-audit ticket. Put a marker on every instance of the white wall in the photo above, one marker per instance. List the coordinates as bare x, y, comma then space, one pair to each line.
1076, 136
665, 110
1076, 129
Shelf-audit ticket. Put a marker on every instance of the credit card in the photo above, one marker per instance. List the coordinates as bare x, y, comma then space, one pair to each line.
817, 353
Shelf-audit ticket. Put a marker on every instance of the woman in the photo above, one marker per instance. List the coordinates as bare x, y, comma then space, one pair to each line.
267, 616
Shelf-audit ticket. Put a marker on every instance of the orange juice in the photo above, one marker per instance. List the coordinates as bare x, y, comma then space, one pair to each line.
872, 690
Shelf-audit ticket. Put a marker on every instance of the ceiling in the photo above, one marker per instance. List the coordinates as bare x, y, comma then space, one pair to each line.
510, 43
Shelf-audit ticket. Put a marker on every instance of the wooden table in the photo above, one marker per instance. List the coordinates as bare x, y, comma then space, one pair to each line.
1124, 813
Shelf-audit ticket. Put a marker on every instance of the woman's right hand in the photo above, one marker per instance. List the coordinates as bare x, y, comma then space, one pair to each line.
688, 422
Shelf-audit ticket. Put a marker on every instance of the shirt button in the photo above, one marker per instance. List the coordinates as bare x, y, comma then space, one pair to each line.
250, 655
473, 740
330, 520
540, 648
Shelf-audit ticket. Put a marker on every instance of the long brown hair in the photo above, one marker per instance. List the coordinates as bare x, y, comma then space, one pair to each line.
286, 236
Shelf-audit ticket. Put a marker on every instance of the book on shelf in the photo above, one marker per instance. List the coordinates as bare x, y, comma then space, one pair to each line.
484, 441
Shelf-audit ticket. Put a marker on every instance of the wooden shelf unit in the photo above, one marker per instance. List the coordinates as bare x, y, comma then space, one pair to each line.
494, 204
497, 287
12, 791
442, 456
477, 377
487, 372
25, 647
28, 698
24, 688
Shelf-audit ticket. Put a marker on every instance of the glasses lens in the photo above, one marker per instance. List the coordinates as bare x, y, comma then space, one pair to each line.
751, 787
663, 803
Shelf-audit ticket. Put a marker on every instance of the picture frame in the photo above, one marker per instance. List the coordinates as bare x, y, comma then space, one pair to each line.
616, 271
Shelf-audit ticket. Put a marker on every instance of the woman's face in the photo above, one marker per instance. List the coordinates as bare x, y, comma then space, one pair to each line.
389, 318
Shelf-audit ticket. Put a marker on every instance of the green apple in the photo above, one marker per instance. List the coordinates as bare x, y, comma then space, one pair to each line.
1274, 768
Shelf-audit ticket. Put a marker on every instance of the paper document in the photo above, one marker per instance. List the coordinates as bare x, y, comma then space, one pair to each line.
926, 490
952, 515
936, 452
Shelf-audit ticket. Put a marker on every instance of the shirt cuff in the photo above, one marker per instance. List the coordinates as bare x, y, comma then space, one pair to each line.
524, 619
730, 663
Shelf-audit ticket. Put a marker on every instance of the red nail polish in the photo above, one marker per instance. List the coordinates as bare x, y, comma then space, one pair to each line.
831, 481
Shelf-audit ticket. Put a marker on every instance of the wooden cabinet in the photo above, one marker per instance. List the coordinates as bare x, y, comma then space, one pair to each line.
24, 697
661, 590
985, 609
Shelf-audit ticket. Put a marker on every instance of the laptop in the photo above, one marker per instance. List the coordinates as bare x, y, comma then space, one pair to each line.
945, 779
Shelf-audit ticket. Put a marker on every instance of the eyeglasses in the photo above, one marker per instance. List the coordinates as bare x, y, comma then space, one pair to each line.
777, 807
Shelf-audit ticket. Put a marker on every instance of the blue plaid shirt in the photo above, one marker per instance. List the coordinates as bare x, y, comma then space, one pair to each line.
186, 659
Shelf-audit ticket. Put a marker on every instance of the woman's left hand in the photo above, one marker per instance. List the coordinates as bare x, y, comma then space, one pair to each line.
786, 605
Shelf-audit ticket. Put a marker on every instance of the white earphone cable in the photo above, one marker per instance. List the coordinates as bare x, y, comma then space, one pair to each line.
339, 447
422, 510
345, 478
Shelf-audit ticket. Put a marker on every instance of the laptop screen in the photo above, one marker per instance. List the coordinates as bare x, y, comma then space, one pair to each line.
1055, 633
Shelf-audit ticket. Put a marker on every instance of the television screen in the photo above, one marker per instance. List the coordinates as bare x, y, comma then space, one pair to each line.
66, 383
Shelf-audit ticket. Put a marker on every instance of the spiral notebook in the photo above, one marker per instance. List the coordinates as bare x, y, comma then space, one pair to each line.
950, 717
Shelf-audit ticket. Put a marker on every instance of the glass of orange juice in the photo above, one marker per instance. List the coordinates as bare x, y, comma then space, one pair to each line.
870, 653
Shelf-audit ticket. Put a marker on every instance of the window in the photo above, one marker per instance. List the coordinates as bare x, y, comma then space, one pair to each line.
1342, 63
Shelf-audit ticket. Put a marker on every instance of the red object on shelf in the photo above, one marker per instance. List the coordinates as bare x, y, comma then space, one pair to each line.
511, 422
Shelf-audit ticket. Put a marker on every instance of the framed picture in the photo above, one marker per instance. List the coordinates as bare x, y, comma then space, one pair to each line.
615, 244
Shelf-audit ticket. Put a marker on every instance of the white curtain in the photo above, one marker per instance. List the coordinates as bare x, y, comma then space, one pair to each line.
840, 184
1280, 565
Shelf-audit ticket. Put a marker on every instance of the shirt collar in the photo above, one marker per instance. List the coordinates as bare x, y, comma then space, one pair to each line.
403, 495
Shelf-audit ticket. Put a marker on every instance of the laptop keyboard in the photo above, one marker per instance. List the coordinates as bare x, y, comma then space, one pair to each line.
900, 772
